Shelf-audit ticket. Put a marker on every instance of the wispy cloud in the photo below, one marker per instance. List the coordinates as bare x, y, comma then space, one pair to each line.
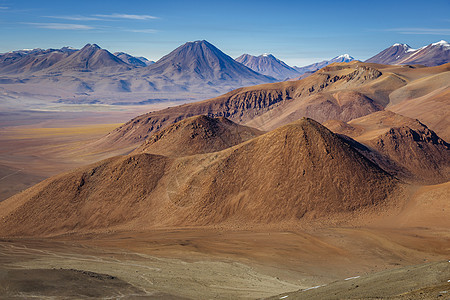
74, 18
126, 16
433, 31
4, 7
142, 30
61, 26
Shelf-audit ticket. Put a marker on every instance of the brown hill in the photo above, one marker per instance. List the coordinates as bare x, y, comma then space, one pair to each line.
339, 91
267, 102
197, 135
298, 172
411, 148
427, 100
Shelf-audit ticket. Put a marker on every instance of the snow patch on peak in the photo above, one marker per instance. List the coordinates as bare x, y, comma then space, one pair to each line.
266, 54
441, 43
346, 56
406, 46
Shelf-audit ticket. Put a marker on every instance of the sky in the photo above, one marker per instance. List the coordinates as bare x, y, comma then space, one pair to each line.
297, 32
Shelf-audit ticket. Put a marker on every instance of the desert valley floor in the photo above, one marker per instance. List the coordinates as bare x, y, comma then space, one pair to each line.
217, 263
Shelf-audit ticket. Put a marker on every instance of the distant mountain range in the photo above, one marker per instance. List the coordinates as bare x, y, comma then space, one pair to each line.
402, 54
269, 65
32, 60
133, 60
319, 65
194, 71
89, 58
92, 75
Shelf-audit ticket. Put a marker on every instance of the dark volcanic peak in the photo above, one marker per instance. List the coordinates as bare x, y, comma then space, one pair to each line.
201, 60
269, 65
400, 54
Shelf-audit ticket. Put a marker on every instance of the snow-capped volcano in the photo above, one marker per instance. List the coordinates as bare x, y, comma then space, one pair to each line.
319, 65
400, 54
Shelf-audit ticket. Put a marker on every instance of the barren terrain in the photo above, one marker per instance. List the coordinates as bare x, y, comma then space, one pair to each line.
179, 205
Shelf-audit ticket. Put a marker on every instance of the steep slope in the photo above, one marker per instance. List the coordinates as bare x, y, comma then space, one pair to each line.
412, 149
299, 172
131, 60
434, 54
200, 62
319, 65
197, 135
89, 58
268, 65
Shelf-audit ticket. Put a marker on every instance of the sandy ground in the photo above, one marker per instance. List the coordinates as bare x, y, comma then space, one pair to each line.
145, 274
31, 153
426, 281
201, 263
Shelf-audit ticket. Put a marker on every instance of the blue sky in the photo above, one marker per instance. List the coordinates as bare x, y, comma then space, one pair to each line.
298, 32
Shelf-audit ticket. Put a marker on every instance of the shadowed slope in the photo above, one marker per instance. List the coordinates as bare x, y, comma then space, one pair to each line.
298, 172
97, 196
415, 151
